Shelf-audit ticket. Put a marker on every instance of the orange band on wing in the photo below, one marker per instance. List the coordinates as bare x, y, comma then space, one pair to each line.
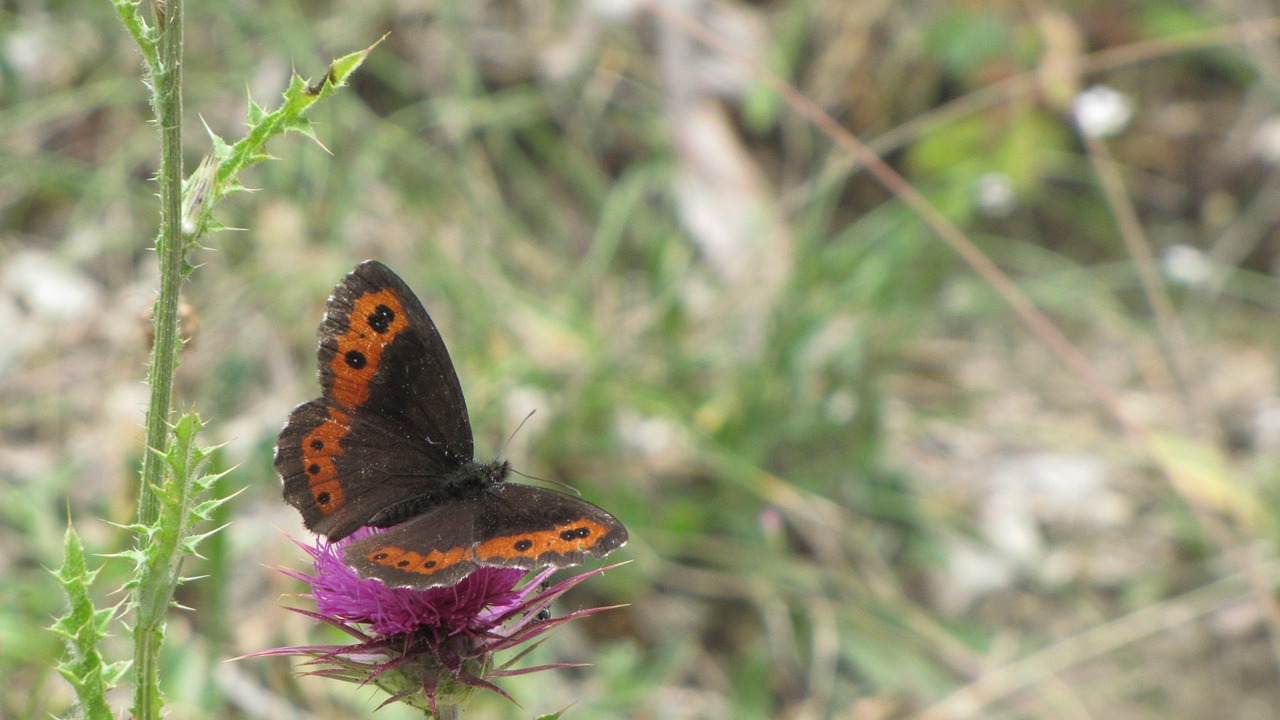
415, 562
375, 321
579, 536
318, 450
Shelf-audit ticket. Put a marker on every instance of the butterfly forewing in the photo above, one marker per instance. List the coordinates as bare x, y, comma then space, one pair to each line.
381, 352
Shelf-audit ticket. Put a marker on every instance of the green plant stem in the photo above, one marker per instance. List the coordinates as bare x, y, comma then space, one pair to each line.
167, 101
166, 77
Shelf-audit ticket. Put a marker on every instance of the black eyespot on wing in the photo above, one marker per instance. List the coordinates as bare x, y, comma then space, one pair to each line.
381, 318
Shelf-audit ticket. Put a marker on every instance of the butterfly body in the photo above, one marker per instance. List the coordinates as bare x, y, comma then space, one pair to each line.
389, 445
465, 482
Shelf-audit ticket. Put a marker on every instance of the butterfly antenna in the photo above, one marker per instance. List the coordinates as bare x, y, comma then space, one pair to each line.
568, 488
571, 489
513, 434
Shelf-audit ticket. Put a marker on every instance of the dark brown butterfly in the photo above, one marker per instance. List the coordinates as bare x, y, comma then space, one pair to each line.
389, 445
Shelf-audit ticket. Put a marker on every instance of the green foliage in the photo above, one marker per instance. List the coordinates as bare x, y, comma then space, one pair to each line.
161, 547
1030, 149
962, 40
142, 33
83, 627
218, 174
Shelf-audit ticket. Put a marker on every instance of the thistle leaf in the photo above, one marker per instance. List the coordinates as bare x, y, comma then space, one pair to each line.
82, 627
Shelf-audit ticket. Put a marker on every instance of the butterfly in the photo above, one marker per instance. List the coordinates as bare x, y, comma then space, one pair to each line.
388, 445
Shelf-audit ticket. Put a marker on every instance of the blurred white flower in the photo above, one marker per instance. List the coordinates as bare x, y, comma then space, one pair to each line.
1185, 265
996, 197
1266, 142
1266, 425
1102, 111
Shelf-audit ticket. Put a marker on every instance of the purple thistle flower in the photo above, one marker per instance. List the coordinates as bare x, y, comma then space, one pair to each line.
427, 648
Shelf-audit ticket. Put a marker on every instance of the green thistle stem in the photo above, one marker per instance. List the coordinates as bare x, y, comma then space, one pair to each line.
167, 101
166, 78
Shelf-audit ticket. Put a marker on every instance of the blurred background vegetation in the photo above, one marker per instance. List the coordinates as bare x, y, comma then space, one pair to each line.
857, 485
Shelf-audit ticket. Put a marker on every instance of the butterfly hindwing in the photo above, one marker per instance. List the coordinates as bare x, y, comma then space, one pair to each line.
506, 525
531, 527
343, 471
429, 550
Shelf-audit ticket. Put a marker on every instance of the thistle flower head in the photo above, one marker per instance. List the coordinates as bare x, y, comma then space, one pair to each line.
424, 647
